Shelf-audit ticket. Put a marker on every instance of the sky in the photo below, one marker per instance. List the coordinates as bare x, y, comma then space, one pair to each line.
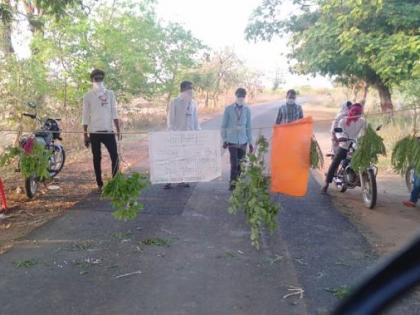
221, 23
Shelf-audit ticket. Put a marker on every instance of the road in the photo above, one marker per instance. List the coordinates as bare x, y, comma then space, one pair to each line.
186, 255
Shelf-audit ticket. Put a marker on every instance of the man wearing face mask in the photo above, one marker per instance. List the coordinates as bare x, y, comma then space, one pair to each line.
290, 111
183, 114
99, 115
237, 133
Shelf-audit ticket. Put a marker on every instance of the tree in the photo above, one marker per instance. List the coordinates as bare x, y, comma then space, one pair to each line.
34, 12
220, 73
141, 56
177, 53
371, 41
277, 81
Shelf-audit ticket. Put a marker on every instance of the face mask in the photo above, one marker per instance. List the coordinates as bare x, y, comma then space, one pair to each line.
240, 101
187, 95
98, 86
290, 101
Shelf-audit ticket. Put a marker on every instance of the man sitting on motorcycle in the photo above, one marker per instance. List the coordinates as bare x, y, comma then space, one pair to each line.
344, 111
352, 127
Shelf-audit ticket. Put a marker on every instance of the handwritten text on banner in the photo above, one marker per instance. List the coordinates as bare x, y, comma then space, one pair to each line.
184, 156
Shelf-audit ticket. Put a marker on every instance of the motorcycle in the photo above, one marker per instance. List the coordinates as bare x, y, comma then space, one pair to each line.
347, 178
47, 136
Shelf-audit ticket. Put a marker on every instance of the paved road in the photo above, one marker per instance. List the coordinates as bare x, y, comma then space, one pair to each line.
185, 255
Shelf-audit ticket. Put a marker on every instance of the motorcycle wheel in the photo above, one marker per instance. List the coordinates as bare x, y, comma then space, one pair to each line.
57, 160
369, 189
341, 187
31, 186
409, 179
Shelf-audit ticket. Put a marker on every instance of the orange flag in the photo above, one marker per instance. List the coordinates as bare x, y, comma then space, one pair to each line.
290, 160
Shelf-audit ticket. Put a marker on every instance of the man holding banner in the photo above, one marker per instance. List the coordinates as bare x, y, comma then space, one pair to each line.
183, 113
237, 133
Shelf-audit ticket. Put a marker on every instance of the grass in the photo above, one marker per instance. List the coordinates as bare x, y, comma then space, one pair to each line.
340, 292
27, 263
157, 242
82, 245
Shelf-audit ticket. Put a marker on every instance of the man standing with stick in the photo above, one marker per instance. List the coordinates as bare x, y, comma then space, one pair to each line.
99, 114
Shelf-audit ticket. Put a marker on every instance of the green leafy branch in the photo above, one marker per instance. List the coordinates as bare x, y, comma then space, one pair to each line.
316, 157
36, 163
369, 147
252, 195
406, 154
9, 155
124, 191
32, 162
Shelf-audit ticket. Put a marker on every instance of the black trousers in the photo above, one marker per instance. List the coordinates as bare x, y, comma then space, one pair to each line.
237, 153
111, 145
340, 155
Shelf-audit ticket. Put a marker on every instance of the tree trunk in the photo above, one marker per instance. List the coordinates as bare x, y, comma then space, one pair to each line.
385, 97
207, 99
6, 46
365, 93
355, 92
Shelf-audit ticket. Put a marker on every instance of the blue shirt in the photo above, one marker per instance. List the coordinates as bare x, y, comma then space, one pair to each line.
236, 125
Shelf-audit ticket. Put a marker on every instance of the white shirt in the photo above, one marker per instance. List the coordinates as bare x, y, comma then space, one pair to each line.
343, 113
182, 115
99, 110
353, 131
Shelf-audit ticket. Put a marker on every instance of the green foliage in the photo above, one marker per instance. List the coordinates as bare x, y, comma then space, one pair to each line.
9, 155
140, 55
369, 147
316, 157
372, 41
411, 93
340, 292
35, 163
6, 14
406, 154
28, 263
124, 192
21, 81
252, 195
157, 242
56, 8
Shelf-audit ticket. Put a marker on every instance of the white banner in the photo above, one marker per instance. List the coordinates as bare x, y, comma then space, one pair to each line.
185, 156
